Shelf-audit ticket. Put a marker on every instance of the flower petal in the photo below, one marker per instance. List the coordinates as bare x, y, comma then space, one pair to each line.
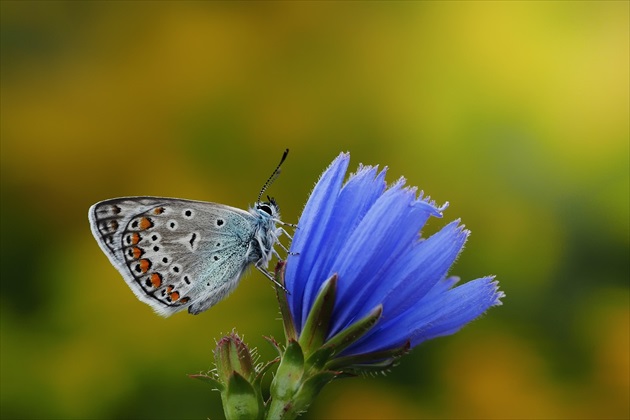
426, 264
410, 277
311, 232
460, 306
437, 314
395, 220
356, 197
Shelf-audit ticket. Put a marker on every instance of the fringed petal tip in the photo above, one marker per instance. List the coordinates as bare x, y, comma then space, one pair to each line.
362, 169
459, 227
342, 158
498, 294
434, 209
492, 292
399, 183
342, 155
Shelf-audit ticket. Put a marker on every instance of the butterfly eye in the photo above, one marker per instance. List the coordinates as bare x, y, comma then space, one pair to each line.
266, 208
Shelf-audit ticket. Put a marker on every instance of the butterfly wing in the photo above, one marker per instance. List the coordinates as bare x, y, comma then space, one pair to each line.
175, 254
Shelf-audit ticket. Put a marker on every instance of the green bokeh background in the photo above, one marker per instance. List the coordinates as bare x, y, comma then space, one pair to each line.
515, 112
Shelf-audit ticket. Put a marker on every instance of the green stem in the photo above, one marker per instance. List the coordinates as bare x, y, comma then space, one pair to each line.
283, 410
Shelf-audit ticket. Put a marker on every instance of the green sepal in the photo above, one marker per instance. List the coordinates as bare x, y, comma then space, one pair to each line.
287, 319
317, 324
374, 359
374, 367
293, 354
351, 334
260, 372
347, 374
311, 388
289, 374
319, 359
209, 380
274, 343
240, 399
295, 386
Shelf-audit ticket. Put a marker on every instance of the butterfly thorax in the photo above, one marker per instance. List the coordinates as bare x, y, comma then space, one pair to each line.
264, 236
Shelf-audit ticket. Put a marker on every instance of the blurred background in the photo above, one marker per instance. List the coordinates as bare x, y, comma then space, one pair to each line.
515, 112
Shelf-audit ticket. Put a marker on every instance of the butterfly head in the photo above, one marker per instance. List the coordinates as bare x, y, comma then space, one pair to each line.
269, 208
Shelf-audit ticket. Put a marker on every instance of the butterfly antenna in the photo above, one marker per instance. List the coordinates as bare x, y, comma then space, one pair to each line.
273, 176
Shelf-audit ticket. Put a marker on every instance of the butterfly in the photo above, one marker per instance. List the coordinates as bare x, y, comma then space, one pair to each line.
178, 254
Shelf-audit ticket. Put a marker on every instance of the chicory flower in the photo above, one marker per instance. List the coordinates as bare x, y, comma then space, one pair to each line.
369, 235
364, 286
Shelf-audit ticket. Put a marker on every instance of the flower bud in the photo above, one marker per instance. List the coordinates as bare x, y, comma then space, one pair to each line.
232, 355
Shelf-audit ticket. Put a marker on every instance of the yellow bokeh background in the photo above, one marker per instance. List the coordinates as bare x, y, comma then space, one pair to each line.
514, 112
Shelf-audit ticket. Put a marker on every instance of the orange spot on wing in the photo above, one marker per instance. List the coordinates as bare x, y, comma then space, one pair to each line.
169, 289
184, 300
135, 238
145, 265
158, 210
145, 223
137, 252
156, 280
174, 296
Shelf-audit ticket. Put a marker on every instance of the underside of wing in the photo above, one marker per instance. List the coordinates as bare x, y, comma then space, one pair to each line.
174, 254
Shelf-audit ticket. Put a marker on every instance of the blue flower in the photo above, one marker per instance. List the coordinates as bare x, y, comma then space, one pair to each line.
368, 234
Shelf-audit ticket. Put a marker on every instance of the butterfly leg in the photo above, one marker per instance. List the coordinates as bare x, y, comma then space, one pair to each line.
274, 252
280, 222
280, 231
285, 250
277, 235
270, 277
